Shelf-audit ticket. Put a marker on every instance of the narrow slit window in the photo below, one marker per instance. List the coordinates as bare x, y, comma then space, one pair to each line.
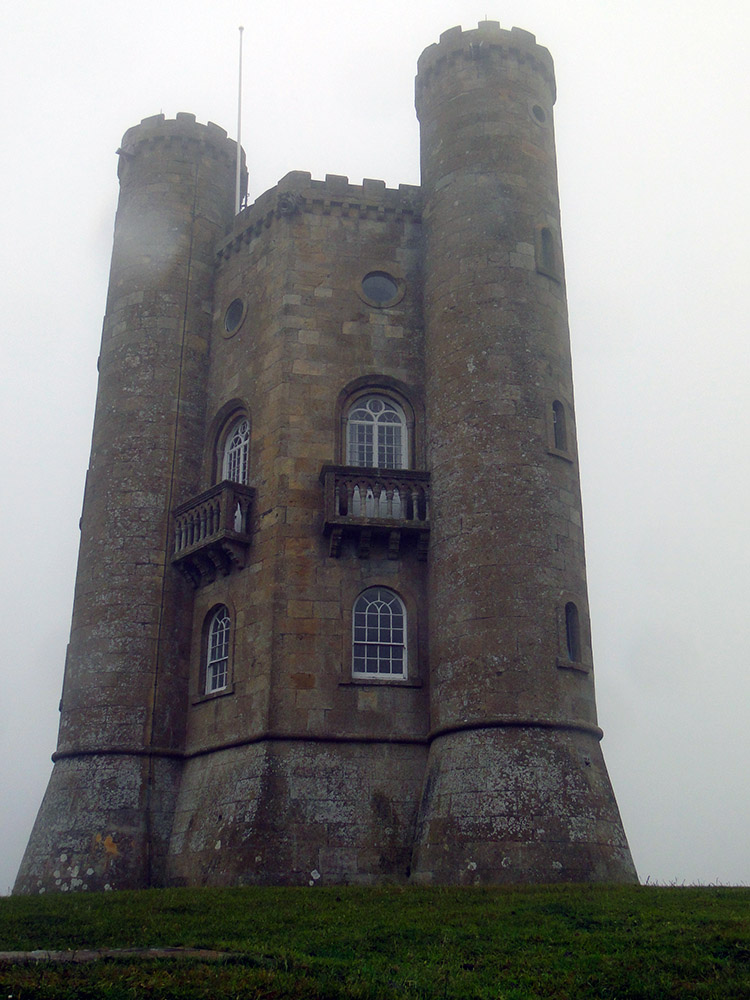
572, 632
558, 426
547, 250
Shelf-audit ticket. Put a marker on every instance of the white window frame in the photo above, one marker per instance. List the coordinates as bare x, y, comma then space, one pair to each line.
371, 413
377, 641
218, 636
236, 453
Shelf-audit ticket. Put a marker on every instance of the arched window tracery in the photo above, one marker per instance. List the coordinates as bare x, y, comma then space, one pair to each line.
379, 634
376, 434
217, 651
234, 464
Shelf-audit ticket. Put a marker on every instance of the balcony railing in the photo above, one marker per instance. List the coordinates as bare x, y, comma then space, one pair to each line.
212, 532
376, 502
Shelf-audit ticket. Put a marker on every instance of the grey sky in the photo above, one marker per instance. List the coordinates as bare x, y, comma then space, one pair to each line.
652, 139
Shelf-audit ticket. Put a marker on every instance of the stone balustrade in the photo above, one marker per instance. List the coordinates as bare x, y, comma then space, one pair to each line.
371, 502
212, 532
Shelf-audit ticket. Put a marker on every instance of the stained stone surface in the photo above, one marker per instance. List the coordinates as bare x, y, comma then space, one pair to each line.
482, 764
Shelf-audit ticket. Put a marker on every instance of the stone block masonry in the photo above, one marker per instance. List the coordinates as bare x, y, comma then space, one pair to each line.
331, 622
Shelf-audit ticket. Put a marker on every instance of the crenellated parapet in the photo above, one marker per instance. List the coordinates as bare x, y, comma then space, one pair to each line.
297, 193
488, 40
184, 128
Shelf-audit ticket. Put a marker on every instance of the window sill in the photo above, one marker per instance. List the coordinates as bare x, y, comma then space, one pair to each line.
549, 272
405, 682
201, 698
560, 454
582, 668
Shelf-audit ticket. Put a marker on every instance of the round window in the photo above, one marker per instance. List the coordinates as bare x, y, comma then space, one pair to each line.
380, 288
234, 315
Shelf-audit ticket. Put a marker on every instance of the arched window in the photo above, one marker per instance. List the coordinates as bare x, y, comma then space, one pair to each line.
558, 426
217, 651
236, 451
379, 631
572, 632
376, 434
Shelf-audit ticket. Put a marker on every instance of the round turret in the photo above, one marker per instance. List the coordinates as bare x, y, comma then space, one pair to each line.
124, 694
512, 697
497, 342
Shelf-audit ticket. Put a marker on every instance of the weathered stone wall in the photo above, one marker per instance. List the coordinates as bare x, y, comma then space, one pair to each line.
482, 764
506, 553
126, 670
519, 804
298, 812
296, 259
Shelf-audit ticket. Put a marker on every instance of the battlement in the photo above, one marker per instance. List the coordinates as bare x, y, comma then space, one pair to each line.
298, 193
487, 38
183, 128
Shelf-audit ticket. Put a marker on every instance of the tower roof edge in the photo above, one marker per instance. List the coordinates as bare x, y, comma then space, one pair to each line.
183, 126
488, 36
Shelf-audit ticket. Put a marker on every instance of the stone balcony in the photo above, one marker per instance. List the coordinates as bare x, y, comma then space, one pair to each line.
372, 503
212, 532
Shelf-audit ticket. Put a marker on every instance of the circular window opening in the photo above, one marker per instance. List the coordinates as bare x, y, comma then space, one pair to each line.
380, 288
539, 113
234, 316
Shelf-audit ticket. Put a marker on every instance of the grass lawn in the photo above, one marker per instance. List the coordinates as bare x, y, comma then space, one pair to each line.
562, 942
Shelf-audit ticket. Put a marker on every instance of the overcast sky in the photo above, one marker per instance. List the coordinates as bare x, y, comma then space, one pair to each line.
653, 150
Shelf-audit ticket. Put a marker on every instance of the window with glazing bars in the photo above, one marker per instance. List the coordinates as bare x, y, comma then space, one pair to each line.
376, 434
236, 451
379, 626
217, 658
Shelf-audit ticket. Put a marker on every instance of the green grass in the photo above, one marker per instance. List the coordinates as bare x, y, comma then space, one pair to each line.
562, 942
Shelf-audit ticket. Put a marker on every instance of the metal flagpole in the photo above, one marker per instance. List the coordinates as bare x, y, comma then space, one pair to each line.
239, 133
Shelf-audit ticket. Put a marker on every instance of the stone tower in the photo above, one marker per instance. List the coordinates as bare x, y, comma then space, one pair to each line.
330, 618
122, 727
515, 769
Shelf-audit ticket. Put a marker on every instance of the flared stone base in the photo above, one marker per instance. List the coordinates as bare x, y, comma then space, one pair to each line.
514, 805
103, 824
297, 812
498, 805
